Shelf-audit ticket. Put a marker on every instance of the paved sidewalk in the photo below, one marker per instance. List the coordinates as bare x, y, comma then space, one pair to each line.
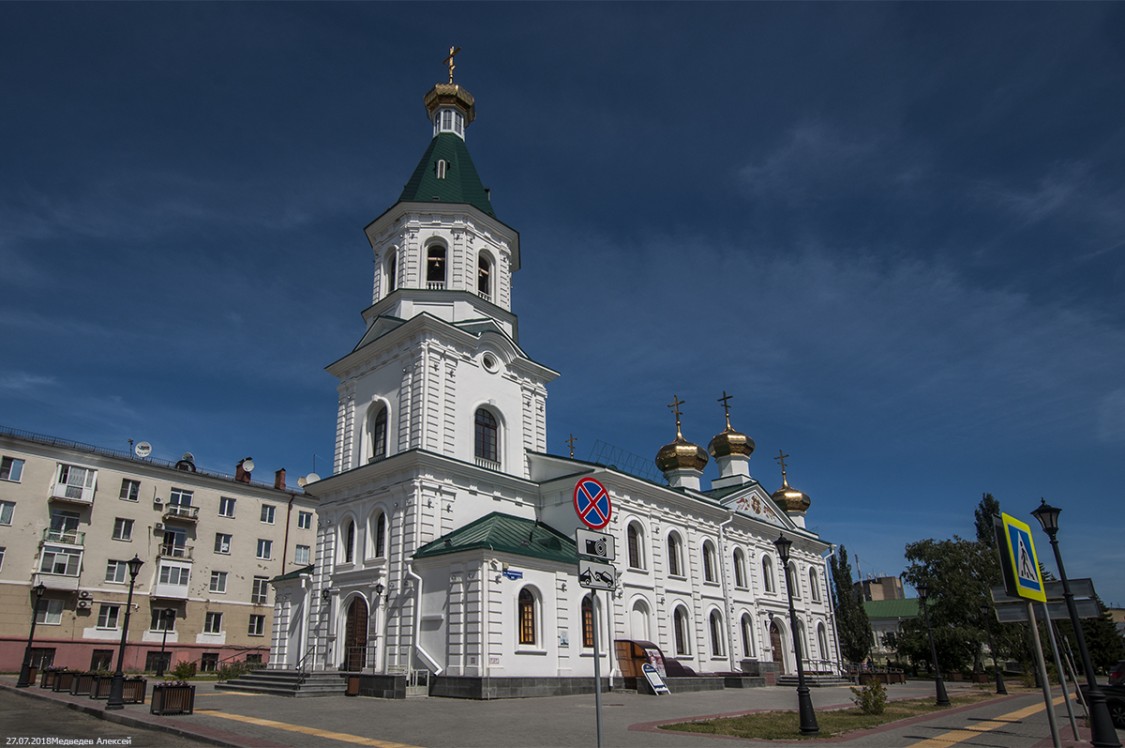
630, 720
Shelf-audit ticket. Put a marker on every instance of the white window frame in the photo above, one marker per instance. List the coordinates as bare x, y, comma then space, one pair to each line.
257, 625
109, 615
2, 551
226, 506
130, 490
10, 465
180, 497
302, 555
304, 520
268, 514
7, 509
218, 583
75, 482
51, 613
73, 564
213, 622
260, 590
116, 571
264, 545
182, 575
223, 542
122, 528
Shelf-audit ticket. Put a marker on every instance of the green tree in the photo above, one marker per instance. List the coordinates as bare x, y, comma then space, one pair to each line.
1010, 640
852, 625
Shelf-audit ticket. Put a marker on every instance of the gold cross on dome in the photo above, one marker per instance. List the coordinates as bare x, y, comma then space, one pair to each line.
449, 61
781, 460
675, 406
571, 441
725, 400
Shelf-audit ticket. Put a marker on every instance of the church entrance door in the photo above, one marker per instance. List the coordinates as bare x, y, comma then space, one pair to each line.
355, 636
776, 646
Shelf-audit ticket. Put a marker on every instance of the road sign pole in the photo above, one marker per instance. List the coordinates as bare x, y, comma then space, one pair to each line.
597, 667
1059, 668
1043, 677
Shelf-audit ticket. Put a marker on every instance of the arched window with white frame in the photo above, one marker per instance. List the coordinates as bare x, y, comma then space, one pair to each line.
485, 277
588, 621
814, 585
527, 615
747, 628
349, 542
486, 438
634, 542
435, 267
681, 629
767, 573
376, 431
791, 578
715, 621
675, 555
710, 573
390, 268
739, 559
380, 535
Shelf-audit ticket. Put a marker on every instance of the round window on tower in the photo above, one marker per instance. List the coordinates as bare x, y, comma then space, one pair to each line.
490, 363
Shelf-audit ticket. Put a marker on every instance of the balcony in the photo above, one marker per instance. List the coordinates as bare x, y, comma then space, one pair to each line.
73, 494
181, 513
172, 580
182, 552
66, 537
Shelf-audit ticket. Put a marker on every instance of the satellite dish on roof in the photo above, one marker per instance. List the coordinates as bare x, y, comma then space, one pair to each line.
301, 481
311, 478
188, 457
142, 450
248, 465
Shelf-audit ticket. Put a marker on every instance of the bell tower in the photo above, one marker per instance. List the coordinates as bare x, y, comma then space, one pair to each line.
439, 367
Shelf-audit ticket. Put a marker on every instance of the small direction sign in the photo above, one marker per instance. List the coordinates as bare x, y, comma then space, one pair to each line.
596, 576
1021, 555
596, 545
652, 675
591, 502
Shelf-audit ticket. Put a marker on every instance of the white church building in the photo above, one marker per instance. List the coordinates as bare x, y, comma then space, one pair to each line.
445, 549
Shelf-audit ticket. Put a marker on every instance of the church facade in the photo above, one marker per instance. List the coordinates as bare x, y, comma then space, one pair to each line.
445, 543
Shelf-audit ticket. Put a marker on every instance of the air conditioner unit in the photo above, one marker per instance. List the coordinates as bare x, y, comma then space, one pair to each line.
157, 501
85, 604
85, 595
158, 527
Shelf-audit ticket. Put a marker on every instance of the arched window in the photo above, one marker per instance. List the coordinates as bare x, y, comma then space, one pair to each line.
349, 543
484, 278
381, 536
392, 272
739, 568
791, 579
682, 629
709, 562
747, 635
441, 166
486, 437
634, 537
376, 431
716, 621
814, 588
527, 618
822, 641
435, 268
587, 621
675, 555
767, 573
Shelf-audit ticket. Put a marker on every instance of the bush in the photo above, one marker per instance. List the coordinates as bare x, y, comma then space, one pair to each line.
235, 669
184, 670
872, 698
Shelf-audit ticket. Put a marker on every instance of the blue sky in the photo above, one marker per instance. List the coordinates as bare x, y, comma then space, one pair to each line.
896, 233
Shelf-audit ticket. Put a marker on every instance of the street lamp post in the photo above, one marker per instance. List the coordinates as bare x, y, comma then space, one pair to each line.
1102, 732
168, 615
804, 699
986, 613
25, 668
942, 696
117, 685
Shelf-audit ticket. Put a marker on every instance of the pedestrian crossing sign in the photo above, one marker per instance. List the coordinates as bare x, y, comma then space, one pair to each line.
1024, 562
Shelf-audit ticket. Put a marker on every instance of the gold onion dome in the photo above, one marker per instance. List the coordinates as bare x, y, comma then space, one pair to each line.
680, 454
787, 498
730, 442
451, 94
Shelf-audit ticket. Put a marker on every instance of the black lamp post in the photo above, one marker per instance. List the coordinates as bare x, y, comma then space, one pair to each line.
1102, 732
25, 668
168, 615
117, 685
942, 696
804, 699
986, 612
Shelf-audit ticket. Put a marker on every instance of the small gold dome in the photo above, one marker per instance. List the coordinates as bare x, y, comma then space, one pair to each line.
451, 94
789, 499
730, 442
681, 454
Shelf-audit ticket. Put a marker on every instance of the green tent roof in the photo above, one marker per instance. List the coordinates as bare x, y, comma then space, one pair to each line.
461, 183
892, 608
507, 534
295, 573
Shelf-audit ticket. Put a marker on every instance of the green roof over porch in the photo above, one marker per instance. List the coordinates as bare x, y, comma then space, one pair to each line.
506, 534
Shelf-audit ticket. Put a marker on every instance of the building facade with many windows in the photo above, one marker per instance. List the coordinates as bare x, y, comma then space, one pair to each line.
72, 516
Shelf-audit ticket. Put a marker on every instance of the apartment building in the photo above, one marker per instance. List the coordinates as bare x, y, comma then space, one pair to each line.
72, 516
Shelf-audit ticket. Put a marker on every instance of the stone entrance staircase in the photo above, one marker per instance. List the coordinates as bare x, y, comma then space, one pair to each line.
814, 680
288, 683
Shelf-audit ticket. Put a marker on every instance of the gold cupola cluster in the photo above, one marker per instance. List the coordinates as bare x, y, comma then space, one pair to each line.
680, 454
